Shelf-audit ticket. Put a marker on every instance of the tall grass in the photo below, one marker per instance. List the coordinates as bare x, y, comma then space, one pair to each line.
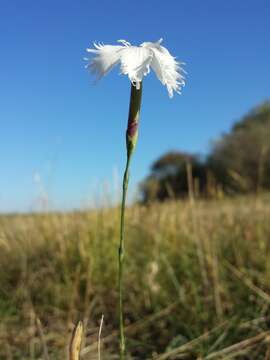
197, 281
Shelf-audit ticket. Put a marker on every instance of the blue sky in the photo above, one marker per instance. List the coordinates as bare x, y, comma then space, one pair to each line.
56, 123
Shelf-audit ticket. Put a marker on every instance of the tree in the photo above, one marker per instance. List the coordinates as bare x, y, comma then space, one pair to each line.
172, 176
240, 160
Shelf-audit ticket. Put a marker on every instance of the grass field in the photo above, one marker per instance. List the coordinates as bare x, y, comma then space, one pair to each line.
197, 281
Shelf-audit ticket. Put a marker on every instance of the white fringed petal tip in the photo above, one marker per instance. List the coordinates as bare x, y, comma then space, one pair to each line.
135, 61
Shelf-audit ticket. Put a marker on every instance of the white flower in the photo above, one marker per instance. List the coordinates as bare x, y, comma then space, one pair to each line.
135, 61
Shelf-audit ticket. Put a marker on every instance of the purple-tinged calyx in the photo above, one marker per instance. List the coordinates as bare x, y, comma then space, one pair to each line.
133, 118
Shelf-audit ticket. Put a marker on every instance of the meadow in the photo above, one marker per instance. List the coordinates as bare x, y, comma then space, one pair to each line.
197, 281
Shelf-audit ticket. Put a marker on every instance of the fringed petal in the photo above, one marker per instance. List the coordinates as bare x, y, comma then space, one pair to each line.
135, 62
106, 57
167, 69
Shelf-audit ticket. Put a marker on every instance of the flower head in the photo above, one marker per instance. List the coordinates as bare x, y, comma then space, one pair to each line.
136, 61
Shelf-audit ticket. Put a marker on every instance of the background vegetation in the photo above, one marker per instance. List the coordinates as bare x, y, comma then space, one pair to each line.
239, 162
197, 281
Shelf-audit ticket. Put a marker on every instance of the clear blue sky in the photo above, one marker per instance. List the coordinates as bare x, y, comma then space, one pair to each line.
55, 122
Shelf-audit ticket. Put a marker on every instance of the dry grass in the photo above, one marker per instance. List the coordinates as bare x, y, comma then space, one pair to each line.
197, 281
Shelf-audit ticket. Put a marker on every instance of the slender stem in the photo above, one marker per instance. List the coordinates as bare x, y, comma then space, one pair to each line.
131, 140
121, 259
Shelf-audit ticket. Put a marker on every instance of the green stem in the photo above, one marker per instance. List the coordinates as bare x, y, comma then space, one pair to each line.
121, 260
131, 140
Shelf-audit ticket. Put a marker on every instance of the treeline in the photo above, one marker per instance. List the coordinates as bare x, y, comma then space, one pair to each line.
239, 162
